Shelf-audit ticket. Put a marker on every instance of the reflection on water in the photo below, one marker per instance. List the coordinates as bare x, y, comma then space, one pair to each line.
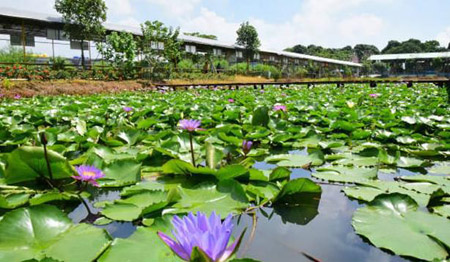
115, 229
320, 227
329, 236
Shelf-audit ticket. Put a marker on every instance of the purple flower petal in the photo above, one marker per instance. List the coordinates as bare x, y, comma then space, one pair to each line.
177, 249
210, 235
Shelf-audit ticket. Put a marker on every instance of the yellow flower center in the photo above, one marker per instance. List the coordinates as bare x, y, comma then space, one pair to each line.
89, 174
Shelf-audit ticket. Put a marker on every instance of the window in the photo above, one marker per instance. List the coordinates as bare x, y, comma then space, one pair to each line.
217, 52
285, 60
272, 58
160, 45
297, 61
239, 54
256, 56
191, 49
76, 45
56, 34
16, 39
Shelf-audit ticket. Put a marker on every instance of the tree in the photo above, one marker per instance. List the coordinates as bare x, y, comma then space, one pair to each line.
248, 38
120, 49
83, 20
364, 51
197, 34
299, 49
160, 46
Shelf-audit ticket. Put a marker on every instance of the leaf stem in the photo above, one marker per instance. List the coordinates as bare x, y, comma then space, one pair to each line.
191, 138
85, 204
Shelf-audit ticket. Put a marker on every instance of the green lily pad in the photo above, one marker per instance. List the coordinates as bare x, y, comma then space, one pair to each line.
206, 198
44, 231
346, 174
28, 163
392, 222
14, 200
293, 190
143, 246
289, 160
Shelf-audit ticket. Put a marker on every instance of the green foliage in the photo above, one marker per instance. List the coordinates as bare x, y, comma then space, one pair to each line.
15, 55
186, 64
247, 37
197, 34
59, 63
83, 19
120, 51
340, 135
159, 62
412, 46
45, 231
345, 53
6, 84
412, 233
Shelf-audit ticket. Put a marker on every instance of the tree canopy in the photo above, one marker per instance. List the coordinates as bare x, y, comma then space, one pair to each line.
206, 36
248, 38
363, 51
83, 19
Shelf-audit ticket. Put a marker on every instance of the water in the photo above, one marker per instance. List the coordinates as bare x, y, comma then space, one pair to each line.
329, 236
321, 229
326, 235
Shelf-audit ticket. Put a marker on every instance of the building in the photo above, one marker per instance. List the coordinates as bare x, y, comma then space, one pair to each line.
41, 33
416, 64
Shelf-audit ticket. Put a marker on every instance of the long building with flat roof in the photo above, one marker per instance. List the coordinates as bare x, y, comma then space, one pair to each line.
418, 64
36, 31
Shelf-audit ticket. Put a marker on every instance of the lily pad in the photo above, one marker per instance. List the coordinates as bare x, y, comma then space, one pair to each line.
28, 163
290, 160
393, 222
143, 246
346, 174
206, 199
44, 231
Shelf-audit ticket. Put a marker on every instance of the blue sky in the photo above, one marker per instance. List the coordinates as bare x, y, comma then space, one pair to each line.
283, 23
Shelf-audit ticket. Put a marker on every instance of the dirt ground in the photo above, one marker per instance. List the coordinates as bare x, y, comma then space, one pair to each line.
86, 87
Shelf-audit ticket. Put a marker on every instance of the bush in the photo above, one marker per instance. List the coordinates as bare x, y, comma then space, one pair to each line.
15, 55
186, 64
268, 71
240, 68
59, 63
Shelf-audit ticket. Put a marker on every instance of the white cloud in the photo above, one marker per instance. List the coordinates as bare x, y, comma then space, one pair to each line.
177, 7
444, 37
119, 7
360, 26
209, 22
41, 6
326, 22
130, 21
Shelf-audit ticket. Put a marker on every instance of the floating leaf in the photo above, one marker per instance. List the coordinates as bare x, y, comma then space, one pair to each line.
315, 159
346, 174
392, 222
44, 231
28, 163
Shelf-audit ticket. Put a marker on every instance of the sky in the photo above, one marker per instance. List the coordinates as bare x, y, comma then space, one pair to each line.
285, 23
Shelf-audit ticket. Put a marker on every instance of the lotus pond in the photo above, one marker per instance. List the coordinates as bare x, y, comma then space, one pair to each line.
307, 174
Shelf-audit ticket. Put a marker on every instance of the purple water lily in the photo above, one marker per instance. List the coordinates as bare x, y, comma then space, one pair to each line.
374, 95
208, 234
262, 91
280, 108
190, 125
247, 146
88, 174
231, 100
127, 109
17, 96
